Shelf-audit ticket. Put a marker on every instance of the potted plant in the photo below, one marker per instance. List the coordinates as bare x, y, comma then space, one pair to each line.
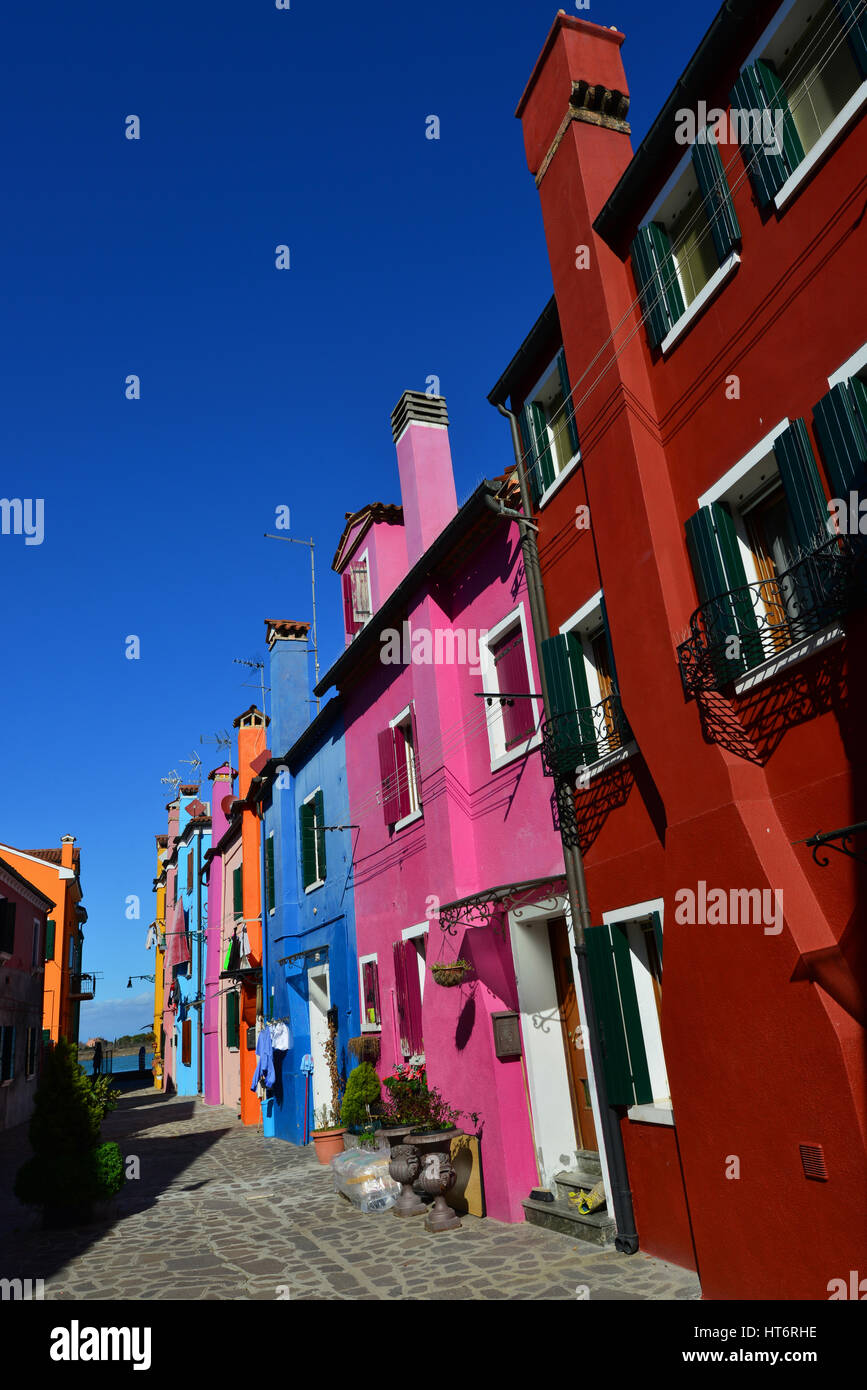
451, 972
328, 1135
362, 1092
70, 1169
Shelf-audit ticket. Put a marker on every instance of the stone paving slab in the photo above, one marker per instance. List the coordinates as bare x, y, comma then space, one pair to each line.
219, 1212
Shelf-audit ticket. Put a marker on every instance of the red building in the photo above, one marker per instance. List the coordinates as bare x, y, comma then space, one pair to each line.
709, 298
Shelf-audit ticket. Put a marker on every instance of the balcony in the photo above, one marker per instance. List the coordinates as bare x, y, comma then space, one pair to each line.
82, 986
745, 627
574, 741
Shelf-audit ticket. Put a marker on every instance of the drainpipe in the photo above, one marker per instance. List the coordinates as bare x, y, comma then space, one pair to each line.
626, 1241
200, 937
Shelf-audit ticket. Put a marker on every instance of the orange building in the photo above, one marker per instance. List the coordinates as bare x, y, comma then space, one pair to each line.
55, 872
252, 741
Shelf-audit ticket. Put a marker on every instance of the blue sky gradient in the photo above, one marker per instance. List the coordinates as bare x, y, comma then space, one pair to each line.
259, 387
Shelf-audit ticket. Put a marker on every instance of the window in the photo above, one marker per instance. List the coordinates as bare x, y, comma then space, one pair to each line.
399, 770
35, 960
186, 1042
312, 836
7, 1052
233, 1019
356, 595
548, 429
587, 716
513, 720
371, 1019
7, 927
238, 893
50, 929
808, 76
269, 873
190, 870
624, 957
30, 1053
72, 954
408, 997
761, 554
688, 244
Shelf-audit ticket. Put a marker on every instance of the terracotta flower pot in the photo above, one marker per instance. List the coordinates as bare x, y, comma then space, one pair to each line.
328, 1143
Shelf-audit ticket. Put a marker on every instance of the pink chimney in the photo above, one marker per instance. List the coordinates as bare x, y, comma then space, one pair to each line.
419, 424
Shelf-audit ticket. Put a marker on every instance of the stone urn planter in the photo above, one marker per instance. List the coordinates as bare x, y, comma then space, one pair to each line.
403, 1166
437, 1176
328, 1143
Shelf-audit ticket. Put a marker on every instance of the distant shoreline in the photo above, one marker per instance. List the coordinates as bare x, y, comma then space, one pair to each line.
87, 1052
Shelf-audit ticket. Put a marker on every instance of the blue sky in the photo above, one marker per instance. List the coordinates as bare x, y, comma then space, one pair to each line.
259, 387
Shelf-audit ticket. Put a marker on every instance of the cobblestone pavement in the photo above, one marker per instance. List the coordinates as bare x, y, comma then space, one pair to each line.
221, 1213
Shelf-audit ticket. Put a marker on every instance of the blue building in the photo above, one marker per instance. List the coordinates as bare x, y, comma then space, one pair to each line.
310, 971
186, 919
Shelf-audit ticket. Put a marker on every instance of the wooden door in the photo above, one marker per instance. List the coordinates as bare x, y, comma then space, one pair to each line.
773, 548
576, 1057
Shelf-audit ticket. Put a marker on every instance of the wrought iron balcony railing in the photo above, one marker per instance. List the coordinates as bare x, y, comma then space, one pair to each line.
745, 627
581, 737
82, 986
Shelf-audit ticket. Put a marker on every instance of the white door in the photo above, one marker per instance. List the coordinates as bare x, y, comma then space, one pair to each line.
319, 1002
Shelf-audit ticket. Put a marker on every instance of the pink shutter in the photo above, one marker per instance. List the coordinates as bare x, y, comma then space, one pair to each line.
348, 615
408, 992
387, 772
512, 676
415, 751
370, 980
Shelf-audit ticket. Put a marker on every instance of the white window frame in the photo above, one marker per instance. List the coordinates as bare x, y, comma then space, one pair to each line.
411, 766
661, 1110
571, 463
318, 882
853, 366
586, 616
829, 137
362, 961
500, 755
412, 934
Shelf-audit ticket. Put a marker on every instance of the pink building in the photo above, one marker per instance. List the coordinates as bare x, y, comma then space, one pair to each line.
222, 1068
457, 853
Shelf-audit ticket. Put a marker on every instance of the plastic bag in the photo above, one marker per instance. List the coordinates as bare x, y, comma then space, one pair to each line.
364, 1178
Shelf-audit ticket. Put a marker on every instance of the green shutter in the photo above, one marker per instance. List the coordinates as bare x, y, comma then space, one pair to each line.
567, 400
563, 658
631, 1016
308, 853
840, 418
532, 471
724, 225
776, 100
269, 873
767, 167
606, 997
802, 485
319, 803
855, 30
541, 445
707, 566
716, 562
50, 931
656, 277
238, 892
233, 1019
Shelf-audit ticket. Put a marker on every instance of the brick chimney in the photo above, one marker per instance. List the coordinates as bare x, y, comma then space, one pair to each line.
66, 844
419, 424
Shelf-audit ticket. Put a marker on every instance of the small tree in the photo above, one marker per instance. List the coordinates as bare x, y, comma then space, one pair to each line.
362, 1090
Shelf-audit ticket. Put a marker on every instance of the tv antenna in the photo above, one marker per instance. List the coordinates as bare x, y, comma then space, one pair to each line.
269, 536
222, 739
195, 764
254, 666
174, 781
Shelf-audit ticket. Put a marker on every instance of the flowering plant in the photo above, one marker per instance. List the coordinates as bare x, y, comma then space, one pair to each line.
412, 1102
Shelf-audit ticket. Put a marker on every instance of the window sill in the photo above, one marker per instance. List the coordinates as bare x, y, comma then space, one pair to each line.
822, 146
792, 656
408, 820
610, 760
521, 751
659, 1113
701, 301
311, 887
559, 480
371, 1027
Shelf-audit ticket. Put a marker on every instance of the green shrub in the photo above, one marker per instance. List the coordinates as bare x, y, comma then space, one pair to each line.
106, 1093
107, 1172
66, 1112
70, 1180
362, 1090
